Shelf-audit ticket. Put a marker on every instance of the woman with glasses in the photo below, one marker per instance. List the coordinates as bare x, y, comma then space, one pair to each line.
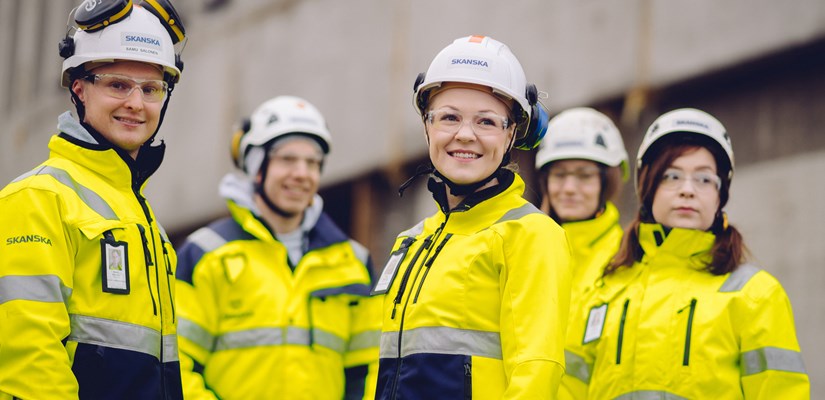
475, 296
678, 313
68, 319
582, 165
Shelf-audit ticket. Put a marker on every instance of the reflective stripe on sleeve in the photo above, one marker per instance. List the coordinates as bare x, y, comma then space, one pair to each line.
123, 335
739, 278
92, 199
577, 367
43, 288
361, 252
276, 337
650, 395
196, 334
442, 340
207, 239
364, 340
771, 358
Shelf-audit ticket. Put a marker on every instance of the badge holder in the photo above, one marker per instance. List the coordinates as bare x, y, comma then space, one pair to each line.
114, 264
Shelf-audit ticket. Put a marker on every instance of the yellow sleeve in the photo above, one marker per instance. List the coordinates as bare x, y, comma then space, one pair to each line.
36, 279
361, 358
534, 307
770, 360
196, 319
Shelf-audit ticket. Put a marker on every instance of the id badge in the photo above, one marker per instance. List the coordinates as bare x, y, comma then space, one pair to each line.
389, 272
114, 264
595, 323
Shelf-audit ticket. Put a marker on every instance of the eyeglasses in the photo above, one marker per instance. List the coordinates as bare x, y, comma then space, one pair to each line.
121, 87
292, 161
483, 124
580, 176
673, 179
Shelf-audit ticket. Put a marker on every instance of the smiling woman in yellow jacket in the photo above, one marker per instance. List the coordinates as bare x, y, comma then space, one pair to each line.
476, 296
678, 315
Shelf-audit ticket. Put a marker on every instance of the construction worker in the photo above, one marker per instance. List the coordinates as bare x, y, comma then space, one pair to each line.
679, 314
582, 164
70, 326
476, 296
274, 300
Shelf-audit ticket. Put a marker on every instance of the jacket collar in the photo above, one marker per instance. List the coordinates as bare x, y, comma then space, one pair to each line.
585, 234
102, 157
439, 191
659, 241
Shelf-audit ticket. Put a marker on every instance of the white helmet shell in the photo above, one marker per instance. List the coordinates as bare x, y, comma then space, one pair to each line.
480, 60
138, 37
280, 116
691, 121
583, 133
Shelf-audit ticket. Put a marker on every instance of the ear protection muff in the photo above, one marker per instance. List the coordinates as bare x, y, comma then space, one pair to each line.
235, 149
168, 17
529, 133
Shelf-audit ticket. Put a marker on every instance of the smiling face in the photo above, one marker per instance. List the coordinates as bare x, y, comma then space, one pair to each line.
126, 123
293, 174
574, 187
465, 157
687, 204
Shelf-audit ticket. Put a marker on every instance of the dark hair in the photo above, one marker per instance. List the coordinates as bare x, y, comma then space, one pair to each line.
610, 179
728, 250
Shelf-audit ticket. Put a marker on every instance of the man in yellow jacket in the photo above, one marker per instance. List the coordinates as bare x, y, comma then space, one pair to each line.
274, 299
70, 326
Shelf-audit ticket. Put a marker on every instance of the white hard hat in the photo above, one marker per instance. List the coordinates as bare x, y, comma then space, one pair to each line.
480, 60
686, 121
277, 117
140, 36
583, 133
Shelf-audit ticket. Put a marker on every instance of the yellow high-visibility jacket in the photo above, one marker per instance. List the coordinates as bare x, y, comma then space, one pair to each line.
476, 301
252, 328
69, 326
668, 329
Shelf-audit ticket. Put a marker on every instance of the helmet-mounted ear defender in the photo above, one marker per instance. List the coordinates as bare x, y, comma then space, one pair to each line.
235, 149
529, 134
93, 16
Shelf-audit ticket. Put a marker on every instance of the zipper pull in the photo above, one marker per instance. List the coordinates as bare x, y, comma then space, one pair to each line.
147, 255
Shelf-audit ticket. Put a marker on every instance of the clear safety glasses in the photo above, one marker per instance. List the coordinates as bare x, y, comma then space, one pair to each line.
483, 124
121, 87
581, 176
673, 179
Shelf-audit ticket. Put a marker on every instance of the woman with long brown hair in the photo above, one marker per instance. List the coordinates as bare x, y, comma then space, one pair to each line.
678, 313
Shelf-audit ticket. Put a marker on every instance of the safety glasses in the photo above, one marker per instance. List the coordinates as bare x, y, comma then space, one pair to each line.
121, 87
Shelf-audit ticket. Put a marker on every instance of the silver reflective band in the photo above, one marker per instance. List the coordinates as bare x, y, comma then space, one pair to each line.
207, 239
517, 213
414, 231
196, 334
650, 395
577, 367
739, 278
123, 335
771, 358
276, 337
95, 202
44, 288
361, 252
442, 340
364, 340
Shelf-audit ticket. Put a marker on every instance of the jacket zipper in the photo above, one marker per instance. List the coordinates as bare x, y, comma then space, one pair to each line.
425, 245
468, 380
147, 257
621, 333
686, 358
169, 277
429, 264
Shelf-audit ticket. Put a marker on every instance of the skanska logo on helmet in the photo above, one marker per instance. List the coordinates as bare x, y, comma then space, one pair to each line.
142, 43
469, 61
